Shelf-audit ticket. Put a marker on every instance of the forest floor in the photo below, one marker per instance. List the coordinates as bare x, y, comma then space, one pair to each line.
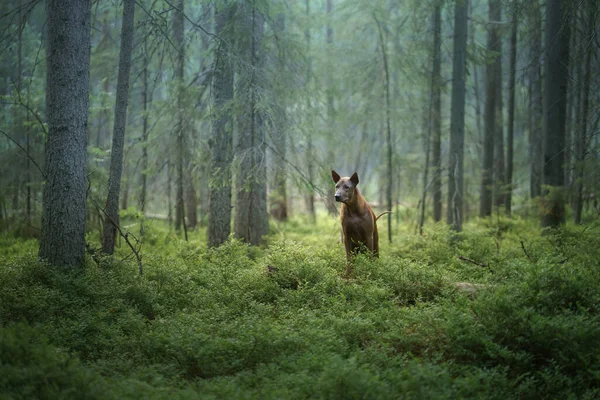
501, 311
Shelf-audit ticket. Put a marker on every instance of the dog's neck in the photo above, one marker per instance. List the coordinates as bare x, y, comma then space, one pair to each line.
357, 204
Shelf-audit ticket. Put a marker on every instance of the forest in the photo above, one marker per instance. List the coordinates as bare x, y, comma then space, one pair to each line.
170, 218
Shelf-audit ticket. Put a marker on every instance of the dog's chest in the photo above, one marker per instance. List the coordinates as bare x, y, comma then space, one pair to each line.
356, 226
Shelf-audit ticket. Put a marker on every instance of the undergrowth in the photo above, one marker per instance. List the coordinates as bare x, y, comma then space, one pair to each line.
290, 321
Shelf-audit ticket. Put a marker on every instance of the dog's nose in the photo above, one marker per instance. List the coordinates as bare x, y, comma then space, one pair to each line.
338, 197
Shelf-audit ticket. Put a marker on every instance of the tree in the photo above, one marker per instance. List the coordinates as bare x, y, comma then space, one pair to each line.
179, 192
511, 109
436, 118
279, 208
310, 197
457, 118
250, 221
146, 101
388, 128
490, 119
581, 139
62, 240
499, 169
536, 109
111, 210
555, 95
221, 141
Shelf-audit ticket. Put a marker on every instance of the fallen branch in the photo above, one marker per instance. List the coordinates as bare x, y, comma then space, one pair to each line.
479, 264
123, 235
527, 254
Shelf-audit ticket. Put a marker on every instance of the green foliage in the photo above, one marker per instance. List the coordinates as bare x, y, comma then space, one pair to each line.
284, 322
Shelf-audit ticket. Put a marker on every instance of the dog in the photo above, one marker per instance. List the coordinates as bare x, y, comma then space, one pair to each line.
359, 223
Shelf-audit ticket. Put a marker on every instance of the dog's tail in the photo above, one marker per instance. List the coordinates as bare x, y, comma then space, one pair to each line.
382, 214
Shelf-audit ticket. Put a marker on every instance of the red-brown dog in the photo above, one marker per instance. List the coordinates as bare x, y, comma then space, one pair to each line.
359, 223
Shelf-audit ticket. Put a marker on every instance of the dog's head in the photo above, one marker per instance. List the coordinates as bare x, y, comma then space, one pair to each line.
344, 187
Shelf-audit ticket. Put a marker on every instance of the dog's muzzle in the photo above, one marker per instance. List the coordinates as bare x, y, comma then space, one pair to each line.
338, 198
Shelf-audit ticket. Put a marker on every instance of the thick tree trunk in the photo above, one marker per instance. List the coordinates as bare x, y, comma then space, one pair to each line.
457, 119
581, 140
436, 123
250, 222
511, 110
111, 220
556, 79
490, 123
221, 142
62, 240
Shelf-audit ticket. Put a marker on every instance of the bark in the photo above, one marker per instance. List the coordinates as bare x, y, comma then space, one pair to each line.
499, 170
310, 197
179, 41
536, 116
388, 128
457, 119
279, 208
556, 78
221, 142
581, 140
490, 120
436, 123
111, 209
329, 40
250, 222
191, 200
427, 133
170, 192
146, 101
511, 110
62, 240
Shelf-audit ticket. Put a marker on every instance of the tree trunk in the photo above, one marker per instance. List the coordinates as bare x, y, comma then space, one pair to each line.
279, 209
111, 221
179, 42
580, 142
511, 110
125, 180
436, 123
427, 133
390, 174
556, 79
146, 101
250, 222
221, 142
310, 197
487, 173
457, 119
62, 240
191, 200
499, 171
536, 116
329, 40
170, 192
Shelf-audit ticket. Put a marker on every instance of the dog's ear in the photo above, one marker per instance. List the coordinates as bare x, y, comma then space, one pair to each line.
335, 176
354, 179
